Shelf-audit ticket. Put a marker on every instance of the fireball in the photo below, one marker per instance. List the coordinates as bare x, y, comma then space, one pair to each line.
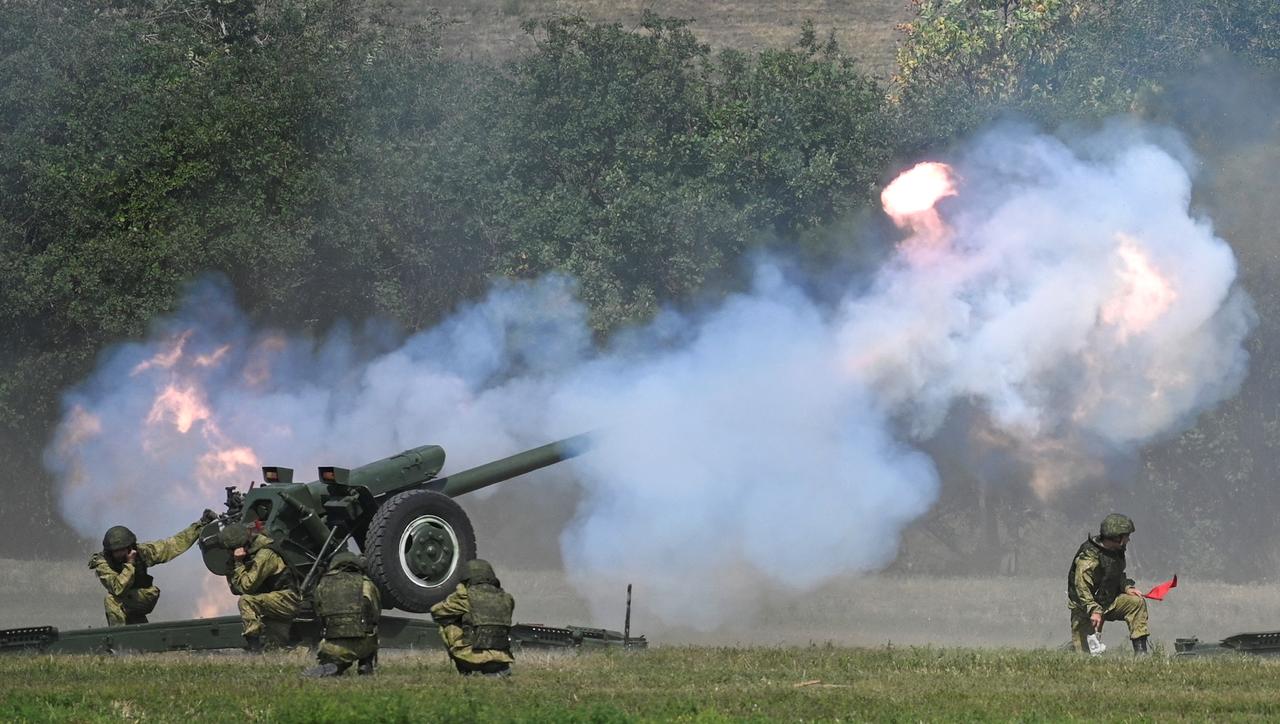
911, 200
1144, 293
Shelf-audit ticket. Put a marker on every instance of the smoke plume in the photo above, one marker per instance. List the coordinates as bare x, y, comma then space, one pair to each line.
1065, 291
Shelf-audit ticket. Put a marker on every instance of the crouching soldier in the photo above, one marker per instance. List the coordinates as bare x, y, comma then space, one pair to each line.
265, 584
1098, 589
122, 568
475, 622
348, 606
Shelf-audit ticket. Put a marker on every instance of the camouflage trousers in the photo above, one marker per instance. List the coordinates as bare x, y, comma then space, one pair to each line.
269, 613
132, 606
345, 652
1128, 608
455, 641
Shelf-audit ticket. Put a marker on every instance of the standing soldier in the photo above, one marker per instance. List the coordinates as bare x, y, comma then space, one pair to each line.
1098, 589
348, 605
475, 622
122, 568
265, 584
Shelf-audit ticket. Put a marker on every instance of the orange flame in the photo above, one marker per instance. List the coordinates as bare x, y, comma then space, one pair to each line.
1144, 296
166, 359
184, 405
911, 198
211, 359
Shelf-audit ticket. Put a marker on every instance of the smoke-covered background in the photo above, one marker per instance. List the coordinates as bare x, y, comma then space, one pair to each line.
1059, 307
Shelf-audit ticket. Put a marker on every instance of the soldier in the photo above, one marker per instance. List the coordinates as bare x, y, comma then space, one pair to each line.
348, 605
122, 568
475, 622
265, 584
1098, 590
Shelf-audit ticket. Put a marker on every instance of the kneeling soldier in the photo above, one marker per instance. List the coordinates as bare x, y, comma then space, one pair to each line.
475, 622
1098, 589
122, 568
268, 596
348, 606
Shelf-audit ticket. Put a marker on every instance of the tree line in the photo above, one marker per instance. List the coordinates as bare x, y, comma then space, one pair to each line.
143, 142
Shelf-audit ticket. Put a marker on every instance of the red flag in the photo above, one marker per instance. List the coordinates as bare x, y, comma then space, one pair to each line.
1157, 593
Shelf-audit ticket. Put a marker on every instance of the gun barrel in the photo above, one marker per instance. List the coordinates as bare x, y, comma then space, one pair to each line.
483, 476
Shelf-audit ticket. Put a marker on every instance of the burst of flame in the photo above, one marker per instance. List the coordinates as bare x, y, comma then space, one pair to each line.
1145, 294
183, 404
165, 359
911, 200
213, 358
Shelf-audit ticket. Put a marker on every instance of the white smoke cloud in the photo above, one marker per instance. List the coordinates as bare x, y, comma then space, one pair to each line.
1069, 293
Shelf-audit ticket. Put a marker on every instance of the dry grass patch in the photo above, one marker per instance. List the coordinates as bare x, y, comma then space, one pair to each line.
490, 29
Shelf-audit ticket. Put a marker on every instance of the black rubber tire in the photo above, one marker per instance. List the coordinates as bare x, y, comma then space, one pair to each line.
382, 548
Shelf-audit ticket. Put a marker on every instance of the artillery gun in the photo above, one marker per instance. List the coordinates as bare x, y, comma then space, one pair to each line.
402, 516
398, 511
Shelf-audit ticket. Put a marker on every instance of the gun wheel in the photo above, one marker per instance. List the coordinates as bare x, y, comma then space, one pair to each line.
416, 544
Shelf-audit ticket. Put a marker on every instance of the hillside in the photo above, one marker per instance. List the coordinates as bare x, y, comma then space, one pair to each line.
865, 29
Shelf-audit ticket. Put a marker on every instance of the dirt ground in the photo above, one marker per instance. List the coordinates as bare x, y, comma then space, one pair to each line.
865, 29
861, 611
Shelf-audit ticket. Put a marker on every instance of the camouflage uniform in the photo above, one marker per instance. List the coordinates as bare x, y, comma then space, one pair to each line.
475, 622
268, 599
349, 605
1097, 583
131, 591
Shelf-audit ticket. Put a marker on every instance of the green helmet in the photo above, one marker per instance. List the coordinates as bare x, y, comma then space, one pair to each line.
348, 560
478, 571
233, 536
118, 538
1116, 525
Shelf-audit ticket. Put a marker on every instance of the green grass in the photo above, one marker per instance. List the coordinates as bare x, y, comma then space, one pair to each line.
681, 683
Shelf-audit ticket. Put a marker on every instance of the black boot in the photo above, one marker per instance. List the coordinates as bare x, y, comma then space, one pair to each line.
323, 670
1140, 647
254, 644
365, 667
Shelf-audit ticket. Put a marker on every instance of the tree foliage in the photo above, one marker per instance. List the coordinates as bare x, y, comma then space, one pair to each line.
335, 165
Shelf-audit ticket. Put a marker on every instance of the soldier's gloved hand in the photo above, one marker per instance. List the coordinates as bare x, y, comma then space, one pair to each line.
208, 516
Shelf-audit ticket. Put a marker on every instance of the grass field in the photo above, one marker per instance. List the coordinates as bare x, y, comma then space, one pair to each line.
865, 29
669, 683
862, 648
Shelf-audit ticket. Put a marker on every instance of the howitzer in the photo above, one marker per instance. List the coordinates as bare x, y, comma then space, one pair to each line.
398, 510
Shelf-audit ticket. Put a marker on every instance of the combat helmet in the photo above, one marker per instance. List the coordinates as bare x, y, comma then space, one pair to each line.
347, 560
479, 570
118, 538
234, 535
1116, 525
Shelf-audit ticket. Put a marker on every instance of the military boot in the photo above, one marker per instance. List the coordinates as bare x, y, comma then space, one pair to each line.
254, 644
1140, 647
276, 634
366, 666
323, 670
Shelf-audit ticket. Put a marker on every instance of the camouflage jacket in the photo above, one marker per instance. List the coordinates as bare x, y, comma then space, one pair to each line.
261, 571
1096, 578
120, 577
453, 614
